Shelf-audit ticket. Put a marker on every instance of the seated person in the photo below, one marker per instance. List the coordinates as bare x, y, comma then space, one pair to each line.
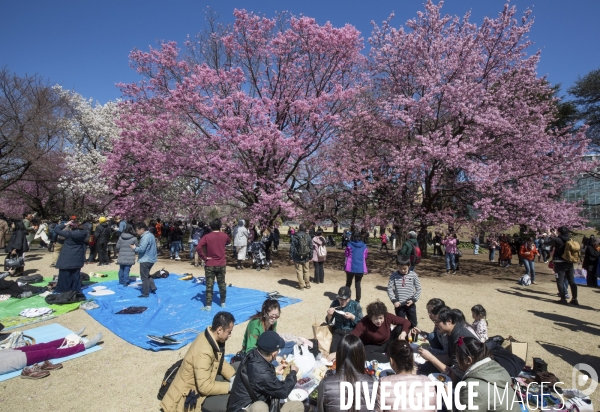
402, 361
256, 385
475, 359
450, 324
374, 330
438, 343
203, 376
345, 322
350, 367
14, 359
264, 320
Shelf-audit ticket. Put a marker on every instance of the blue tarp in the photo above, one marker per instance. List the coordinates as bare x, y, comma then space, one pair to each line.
175, 307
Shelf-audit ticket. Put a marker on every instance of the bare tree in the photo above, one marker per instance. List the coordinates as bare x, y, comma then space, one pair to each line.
32, 123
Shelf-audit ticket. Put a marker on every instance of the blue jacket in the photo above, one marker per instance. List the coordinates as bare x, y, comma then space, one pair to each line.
339, 321
147, 249
356, 257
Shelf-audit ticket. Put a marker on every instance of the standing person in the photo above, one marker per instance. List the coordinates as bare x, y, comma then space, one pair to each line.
545, 246
319, 258
29, 229
146, 258
195, 236
17, 245
4, 228
409, 246
450, 244
393, 238
563, 268
211, 250
267, 240
590, 262
276, 236
475, 241
528, 253
102, 237
384, 242
72, 257
375, 232
300, 254
404, 290
505, 251
356, 263
256, 385
437, 245
42, 235
240, 242
176, 238
492, 245
203, 373
126, 257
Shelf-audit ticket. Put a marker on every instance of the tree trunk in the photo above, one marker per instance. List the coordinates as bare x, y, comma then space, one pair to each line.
423, 240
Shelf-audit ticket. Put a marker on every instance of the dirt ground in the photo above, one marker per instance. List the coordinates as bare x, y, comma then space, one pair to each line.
122, 377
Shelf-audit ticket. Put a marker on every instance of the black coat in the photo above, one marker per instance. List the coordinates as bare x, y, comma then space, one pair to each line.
103, 233
72, 255
18, 241
263, 382
590, 258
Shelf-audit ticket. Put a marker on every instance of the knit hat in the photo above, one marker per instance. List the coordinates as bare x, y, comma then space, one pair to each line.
270, 341
101, 219
412, 234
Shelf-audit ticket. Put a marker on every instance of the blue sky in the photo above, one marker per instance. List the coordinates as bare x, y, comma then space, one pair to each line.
84, 45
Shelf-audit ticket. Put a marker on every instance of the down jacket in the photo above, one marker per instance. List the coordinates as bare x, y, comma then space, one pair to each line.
72, 254
126, 254
329, 394
198, 373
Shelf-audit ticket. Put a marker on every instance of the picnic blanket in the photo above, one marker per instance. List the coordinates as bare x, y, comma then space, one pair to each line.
10, 309
46, 334
175, 307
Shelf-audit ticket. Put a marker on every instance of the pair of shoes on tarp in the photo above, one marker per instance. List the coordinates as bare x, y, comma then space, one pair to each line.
89, 305
40, 370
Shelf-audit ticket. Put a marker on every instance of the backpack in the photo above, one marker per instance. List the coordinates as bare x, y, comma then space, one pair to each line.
525, 280
303, 245
572, 251
160, 274
415, 255
168, 379
31, 279
197, 233
321, 249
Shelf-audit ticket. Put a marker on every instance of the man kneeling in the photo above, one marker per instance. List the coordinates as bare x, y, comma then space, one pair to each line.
256, 384
203, 376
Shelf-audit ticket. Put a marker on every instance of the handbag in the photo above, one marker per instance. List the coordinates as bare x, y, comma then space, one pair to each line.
13, 261
16, 340
323, 335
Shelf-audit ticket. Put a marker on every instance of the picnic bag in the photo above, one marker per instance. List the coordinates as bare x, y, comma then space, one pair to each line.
168, 379
160, 274
572, 251
30, 279
525, 280
16, 340
324, 337
415, 255
303, 245
13, 261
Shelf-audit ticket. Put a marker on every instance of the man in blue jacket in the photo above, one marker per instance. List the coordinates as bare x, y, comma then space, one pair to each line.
146, 257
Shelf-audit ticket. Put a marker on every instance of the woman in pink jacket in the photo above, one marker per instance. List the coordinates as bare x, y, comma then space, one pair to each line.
318, 261
450, 243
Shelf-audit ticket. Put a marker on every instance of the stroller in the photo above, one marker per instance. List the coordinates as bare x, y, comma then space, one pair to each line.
259, 255
330, 241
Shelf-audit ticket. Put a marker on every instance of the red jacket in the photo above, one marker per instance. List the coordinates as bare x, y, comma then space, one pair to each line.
528, 254
214, 244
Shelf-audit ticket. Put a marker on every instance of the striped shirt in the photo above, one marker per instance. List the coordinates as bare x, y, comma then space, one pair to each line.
402, 288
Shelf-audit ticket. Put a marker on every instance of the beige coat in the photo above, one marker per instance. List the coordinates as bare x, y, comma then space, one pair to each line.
3, 231
198, 372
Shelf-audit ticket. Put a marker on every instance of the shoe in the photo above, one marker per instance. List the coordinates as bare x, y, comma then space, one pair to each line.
177, 258
307, 286
563, 302
172, 258
144, 296
34, 372
447, 271
454, 272
534, 283
238, 268
222, 305
49, 366
301, 287
567, 296
154, 291
574, 302
206, 308
196, 265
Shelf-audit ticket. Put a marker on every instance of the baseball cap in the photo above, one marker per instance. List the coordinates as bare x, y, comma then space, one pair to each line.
270, 341
344, 292
102, 219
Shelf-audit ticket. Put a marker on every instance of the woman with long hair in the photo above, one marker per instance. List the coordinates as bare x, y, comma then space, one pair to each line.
350, 366
264, 320
403, 364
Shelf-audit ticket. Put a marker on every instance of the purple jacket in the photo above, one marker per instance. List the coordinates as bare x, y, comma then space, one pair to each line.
356, 257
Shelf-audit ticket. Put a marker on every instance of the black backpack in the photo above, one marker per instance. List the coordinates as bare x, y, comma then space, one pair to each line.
168, 379
30, 279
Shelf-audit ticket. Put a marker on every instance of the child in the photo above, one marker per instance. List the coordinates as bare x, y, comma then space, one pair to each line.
480, 324
384, 242
404, 289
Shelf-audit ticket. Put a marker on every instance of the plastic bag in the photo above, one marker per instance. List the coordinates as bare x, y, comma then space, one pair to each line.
580, 273
304, 359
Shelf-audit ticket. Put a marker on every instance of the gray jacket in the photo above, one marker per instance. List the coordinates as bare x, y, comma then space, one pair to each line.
329, 394
126, 254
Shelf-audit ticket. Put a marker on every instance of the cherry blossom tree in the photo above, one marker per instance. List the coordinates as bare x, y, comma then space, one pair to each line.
456, 127
233, 119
